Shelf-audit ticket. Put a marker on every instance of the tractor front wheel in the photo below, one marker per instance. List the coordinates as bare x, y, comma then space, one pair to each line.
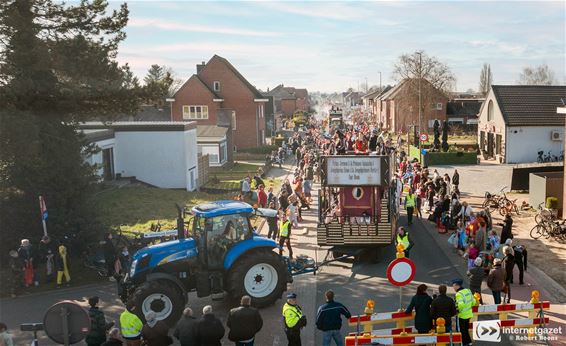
161, 298
261, 275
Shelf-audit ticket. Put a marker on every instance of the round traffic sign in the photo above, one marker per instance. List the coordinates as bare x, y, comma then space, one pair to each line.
401, 271
424, 137
68, 318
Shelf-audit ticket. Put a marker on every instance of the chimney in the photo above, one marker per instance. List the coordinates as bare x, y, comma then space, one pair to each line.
200, 67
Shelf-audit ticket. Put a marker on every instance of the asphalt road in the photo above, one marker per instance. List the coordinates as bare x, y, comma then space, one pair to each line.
353, 283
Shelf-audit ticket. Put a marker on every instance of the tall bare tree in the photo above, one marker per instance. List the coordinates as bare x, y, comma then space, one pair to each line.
538, 75
420, 65
420, 71
486, 79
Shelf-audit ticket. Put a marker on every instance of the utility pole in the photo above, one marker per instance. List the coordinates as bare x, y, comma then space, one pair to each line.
420, 104
367, 85
379, 81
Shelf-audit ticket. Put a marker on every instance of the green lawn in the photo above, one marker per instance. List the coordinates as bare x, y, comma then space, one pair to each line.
136, 207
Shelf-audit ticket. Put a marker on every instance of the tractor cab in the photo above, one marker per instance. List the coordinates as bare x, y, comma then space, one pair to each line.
218, 227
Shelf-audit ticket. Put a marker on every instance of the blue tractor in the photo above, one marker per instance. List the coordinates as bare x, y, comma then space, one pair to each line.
222, 254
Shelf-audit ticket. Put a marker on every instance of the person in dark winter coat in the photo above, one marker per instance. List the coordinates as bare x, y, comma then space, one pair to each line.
456, 178
209, 330
495, 280
329, 319
154, 332
508, 264
113, 338
507, 230
421, 303
109, 254
443, 306
476, 275
244, 323
98, 325
185, 329
520, 253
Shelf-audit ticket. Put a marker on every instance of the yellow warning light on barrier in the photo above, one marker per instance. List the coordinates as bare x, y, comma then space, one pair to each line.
535, 296
370, 305
477, 297
400, 251
440, 325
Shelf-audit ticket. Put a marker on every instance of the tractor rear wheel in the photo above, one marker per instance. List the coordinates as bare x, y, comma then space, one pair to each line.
261, 275
161, 298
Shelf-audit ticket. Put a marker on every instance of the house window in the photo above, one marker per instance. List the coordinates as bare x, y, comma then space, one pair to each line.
490, 111
233, 120
216, 85
439, 106
223, 153
195, 112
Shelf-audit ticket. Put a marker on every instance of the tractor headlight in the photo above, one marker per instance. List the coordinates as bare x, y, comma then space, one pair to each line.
133, 268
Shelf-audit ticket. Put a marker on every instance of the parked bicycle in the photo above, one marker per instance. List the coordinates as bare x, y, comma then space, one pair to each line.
548, 157
507, 206
492, 201
548, 229
545, 214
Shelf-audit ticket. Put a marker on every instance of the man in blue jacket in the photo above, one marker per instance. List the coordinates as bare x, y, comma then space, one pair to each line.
329, 320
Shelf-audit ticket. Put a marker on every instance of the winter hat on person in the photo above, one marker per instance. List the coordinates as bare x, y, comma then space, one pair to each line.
509, 242
497, 262
478, 262
151, 319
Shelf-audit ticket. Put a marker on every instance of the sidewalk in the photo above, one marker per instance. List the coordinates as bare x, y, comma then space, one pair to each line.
534, 279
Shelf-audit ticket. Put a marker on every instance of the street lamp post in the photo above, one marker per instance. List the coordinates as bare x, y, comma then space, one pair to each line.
420, 106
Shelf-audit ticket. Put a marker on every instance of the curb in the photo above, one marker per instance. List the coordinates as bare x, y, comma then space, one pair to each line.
550, 285
62, 290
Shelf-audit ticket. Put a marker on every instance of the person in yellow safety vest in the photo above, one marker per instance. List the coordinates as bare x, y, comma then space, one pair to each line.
465, 301
285, 235
131, 325
410, 205
404, 239
293, 320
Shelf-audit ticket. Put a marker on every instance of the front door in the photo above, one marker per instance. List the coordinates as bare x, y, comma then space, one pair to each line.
490, 144
108, 163
222, 233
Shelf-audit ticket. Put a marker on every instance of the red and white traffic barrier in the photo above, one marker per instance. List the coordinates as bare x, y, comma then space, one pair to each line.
522, 322
510, 307
403, 340
392, 331
380, 316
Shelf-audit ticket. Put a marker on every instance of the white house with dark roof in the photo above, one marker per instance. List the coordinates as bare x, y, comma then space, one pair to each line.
517, 121
159, 153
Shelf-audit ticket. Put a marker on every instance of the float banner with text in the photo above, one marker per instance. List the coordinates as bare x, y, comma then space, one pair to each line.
356, 170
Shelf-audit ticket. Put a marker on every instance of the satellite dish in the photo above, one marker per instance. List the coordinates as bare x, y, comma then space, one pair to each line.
66, 323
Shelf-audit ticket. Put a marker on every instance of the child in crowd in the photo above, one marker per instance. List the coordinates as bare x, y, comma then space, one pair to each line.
462, 237
472, 255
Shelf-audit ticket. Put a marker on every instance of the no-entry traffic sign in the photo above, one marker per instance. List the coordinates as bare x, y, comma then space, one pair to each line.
424, 137
401, 271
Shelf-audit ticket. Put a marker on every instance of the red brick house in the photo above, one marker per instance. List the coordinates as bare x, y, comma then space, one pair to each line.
289, 99
398, 108
216, 91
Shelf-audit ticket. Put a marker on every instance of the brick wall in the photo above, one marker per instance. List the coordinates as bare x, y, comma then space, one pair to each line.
194, 93
240, 98
288, 107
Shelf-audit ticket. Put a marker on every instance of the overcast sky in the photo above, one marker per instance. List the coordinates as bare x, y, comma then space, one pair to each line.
330, 46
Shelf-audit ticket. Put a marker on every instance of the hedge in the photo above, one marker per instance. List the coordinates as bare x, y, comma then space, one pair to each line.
445, 158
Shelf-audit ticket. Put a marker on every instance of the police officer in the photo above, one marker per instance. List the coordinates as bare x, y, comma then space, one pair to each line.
285, 235
131, 325
293, 320
464, 303
404, 239
410, 205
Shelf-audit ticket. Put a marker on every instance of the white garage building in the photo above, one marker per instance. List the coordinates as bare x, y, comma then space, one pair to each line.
162, 154
517, 121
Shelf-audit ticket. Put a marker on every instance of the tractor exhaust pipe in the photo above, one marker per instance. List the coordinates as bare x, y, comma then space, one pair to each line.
180, 222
